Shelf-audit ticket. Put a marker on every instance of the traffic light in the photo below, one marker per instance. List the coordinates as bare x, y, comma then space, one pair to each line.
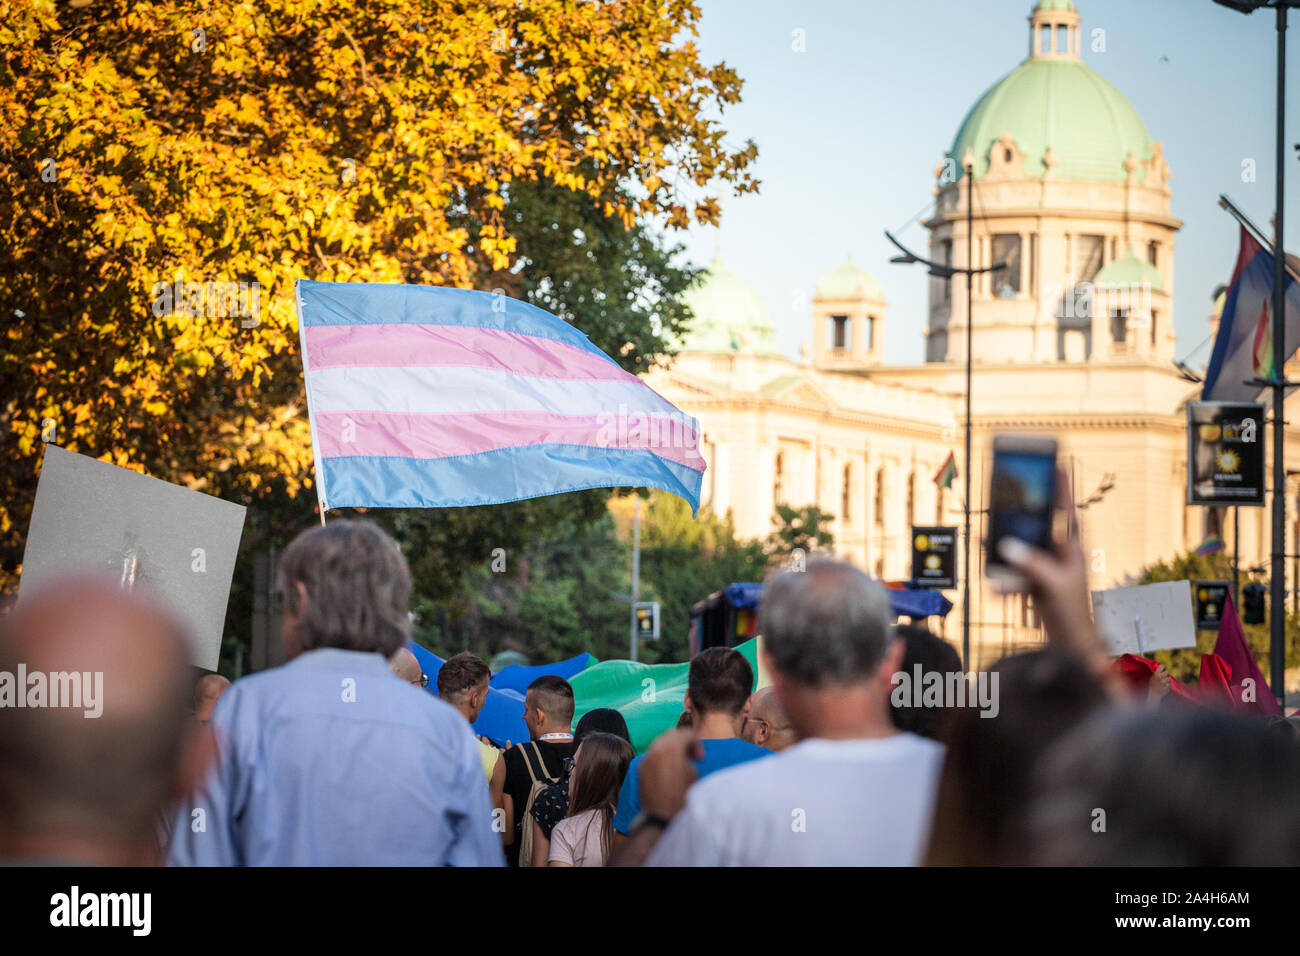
1253, 604
647, 620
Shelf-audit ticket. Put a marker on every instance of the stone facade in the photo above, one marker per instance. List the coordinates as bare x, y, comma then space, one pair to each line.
1057, 350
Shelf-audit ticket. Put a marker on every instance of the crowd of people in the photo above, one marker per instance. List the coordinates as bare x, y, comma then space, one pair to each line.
344, 755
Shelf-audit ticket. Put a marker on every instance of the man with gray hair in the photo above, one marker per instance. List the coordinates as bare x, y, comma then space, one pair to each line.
853, 792
331, 760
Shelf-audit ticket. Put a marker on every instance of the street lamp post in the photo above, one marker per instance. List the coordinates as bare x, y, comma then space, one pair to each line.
945, 271
1277, 609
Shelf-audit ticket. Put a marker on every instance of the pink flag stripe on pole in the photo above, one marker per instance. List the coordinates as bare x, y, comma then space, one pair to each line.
343, 346
346, 433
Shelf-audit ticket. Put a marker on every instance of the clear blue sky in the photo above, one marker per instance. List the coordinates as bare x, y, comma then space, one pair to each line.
848, 133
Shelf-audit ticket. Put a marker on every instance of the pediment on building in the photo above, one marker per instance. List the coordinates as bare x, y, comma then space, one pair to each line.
688, 385
799, 389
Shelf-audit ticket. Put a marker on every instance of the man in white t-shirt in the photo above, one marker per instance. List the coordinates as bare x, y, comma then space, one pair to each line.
853, 792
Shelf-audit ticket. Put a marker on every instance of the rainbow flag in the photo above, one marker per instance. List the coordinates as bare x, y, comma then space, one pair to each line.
948, 473
1210, 545
425, 397
1263, 351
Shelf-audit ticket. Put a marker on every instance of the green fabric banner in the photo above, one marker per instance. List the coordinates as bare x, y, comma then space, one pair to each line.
649, 696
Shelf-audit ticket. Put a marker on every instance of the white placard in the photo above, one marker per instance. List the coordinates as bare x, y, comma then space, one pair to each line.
1145, 618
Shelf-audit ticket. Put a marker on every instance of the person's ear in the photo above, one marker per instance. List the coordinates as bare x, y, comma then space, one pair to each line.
686, 703
891, 664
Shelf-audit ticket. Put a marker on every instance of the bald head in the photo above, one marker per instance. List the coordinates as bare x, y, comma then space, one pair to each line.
406, 666
767, 724
206, 694
87, 771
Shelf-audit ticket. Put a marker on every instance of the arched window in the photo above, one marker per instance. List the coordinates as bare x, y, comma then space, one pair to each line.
880, 498
845, 496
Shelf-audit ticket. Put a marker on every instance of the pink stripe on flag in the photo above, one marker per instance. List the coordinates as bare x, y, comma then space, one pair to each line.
339, 346
401, 435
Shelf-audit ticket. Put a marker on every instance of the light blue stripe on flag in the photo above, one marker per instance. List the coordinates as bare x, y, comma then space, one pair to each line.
505, 474
363, 303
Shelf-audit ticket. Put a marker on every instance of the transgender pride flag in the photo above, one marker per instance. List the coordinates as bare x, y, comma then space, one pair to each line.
424, 397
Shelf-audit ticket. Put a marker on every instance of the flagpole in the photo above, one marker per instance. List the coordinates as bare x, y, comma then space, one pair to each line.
311, 415
970, 275
1236, 537
1231, 208
1277, 609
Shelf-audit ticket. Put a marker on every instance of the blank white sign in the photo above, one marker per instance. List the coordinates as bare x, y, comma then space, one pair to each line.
1161, 612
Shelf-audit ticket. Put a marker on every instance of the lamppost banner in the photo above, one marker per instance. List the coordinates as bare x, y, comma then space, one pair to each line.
1225, 453
934, 557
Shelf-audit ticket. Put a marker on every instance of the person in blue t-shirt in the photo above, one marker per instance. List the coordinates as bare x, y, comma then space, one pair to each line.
717, 698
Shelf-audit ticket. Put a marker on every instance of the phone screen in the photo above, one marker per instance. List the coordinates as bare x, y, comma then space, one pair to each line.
1021, 498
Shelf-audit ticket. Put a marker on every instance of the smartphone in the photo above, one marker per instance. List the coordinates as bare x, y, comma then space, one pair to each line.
1022, 500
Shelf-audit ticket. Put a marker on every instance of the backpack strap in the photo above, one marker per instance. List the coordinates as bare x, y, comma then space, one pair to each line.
533, 761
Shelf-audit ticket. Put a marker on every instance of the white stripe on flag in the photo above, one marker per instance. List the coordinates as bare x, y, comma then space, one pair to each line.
444, 389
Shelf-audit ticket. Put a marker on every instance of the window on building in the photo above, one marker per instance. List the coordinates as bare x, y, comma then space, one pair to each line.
880, 498
1033, 264
1119, 325
1155, 319
1087, 257
1153, 254
778, 484
945, 257
1045, 39
1006, 282
911, 500
871, 332
846, 498
1062, 39
840, 332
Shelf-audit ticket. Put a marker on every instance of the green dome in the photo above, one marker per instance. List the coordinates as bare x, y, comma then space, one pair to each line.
849, 282
1130, 270
1058, 102
1054, 5
729, 315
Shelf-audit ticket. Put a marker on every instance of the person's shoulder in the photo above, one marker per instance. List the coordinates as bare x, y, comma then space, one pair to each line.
736, 748
739, 777
915, 743
250, 693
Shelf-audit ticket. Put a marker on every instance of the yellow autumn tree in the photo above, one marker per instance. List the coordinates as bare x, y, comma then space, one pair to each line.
170, 168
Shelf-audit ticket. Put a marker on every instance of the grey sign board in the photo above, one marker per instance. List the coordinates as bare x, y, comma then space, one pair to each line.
151, 536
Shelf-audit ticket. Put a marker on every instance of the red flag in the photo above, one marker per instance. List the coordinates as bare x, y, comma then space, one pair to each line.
1216, 685
1138, 672
1232, 647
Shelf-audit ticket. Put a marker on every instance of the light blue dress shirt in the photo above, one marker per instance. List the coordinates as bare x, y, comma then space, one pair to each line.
331, 760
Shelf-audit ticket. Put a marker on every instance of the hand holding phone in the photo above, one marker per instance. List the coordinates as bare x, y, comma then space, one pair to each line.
1022, 501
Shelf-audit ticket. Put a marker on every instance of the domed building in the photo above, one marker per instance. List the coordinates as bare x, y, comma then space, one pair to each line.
1073, 338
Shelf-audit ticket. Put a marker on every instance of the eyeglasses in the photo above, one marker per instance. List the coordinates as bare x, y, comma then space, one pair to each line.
422, 682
